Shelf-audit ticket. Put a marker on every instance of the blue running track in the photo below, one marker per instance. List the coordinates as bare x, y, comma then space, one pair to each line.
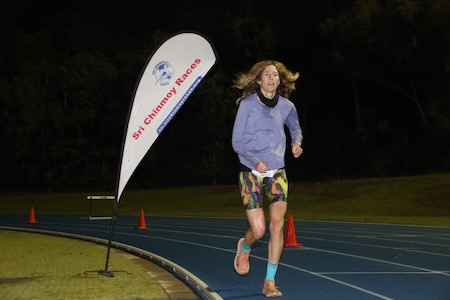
338, 260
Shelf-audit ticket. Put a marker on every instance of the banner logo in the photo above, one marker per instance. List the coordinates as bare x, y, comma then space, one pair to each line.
163, 72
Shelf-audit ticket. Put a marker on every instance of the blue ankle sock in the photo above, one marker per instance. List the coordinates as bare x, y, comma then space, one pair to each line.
246, 248
271, 271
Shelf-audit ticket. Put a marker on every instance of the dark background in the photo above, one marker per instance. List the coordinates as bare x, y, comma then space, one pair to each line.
373, 96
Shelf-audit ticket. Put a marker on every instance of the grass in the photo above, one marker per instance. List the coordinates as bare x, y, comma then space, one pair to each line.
39, 267
35, 266
416, 200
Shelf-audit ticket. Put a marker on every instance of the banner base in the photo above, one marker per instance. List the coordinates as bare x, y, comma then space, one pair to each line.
104, 273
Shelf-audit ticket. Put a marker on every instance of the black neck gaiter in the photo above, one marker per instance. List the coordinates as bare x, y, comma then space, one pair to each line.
268, 102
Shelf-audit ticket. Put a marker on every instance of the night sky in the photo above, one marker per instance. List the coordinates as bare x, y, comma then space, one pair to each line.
139, 16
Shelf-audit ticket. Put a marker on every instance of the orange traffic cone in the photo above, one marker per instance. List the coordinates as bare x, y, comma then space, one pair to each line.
141, 224
290, 239
32, 218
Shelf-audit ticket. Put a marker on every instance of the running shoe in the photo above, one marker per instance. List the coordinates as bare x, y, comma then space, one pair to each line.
241, 260
270, 290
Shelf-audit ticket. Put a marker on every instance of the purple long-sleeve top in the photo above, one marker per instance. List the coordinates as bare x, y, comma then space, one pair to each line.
259, 132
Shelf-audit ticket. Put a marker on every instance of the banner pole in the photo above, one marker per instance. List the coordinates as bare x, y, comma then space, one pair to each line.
106, 272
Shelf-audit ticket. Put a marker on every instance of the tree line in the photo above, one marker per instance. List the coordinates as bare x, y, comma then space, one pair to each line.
373, 95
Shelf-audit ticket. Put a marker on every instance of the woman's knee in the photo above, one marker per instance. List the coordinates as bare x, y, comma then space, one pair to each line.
276, 226
259, 231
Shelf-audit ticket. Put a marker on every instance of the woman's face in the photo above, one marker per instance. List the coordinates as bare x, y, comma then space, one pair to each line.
270, 79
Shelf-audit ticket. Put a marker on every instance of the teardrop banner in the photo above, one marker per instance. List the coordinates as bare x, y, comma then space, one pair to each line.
169, 78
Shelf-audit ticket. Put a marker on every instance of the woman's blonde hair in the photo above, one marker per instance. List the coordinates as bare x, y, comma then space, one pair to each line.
247, 82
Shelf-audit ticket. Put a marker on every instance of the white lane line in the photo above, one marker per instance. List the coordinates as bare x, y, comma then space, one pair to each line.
374, 237
378, 246
380, 273
380, 261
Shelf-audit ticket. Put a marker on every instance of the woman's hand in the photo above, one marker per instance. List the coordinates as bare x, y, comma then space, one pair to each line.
297, 150
261, 167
